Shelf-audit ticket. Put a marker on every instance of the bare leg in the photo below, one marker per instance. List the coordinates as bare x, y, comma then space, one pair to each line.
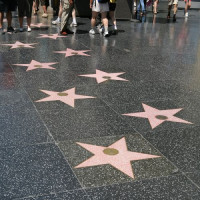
1, 19
21, 22
187, 6
93, 19
44, 9
29, 21
155, 5
112, 16
175, 8
105, 21
74, 17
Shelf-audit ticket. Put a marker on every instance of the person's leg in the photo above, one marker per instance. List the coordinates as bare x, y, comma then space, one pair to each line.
29, 22
187, 7
60, 11
175, 11
44, 7
169, 8
93, 19
57, 21
34, 7
1, 19
105, 22
142, 5
189, 4
9, 18
112, 16
21, 23
74, 17
67, 12
175, 8
155, 5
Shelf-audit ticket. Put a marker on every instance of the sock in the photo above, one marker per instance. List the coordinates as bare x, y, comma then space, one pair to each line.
115, 27
74, 20
58, 18
106, 28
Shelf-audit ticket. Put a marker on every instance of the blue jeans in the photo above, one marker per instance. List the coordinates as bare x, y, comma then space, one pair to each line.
142, 5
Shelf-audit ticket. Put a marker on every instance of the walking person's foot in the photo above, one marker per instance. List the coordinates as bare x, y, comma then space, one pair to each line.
44, 15
10, 29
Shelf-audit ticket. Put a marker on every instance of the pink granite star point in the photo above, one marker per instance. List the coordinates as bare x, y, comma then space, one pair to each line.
116, 155
102, 76
70, 52
51, 36
37, 65
157, 117
18, 44
38, 25
67, 96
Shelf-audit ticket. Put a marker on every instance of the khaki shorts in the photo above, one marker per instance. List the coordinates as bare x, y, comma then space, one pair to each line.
172, 2
100, 7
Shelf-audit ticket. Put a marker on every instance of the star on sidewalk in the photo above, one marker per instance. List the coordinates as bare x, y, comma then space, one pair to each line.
116, 155
71, 52
67, 96
37, 65
18, 44
102, 76
157, 117
51, 36
38, 25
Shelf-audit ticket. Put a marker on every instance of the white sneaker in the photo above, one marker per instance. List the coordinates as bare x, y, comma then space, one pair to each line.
100, 28
186, 14
106, 34
21, 29
29, 29
92, 31
57, 21
44, 15
73, 24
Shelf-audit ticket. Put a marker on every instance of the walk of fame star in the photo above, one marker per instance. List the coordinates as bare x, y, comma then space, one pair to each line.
67, 96
37, 65
51, 36
18, 44
38, 25
157, 117
71, 52
102, 76
116, 155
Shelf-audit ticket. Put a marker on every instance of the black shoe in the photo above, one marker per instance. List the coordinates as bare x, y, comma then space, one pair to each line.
69, 31
10, 29
174, 18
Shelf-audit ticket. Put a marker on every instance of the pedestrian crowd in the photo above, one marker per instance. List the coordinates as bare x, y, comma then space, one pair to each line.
100, 8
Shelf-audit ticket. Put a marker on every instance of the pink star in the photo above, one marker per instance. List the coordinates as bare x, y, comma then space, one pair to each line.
38, 25
104, 76
51, 36
18, 44
71, 52
116, 155
37, 65
67, 96
157, 117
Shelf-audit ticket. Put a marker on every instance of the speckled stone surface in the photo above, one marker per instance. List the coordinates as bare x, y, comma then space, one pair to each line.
34, 170
69, 195
38, 149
